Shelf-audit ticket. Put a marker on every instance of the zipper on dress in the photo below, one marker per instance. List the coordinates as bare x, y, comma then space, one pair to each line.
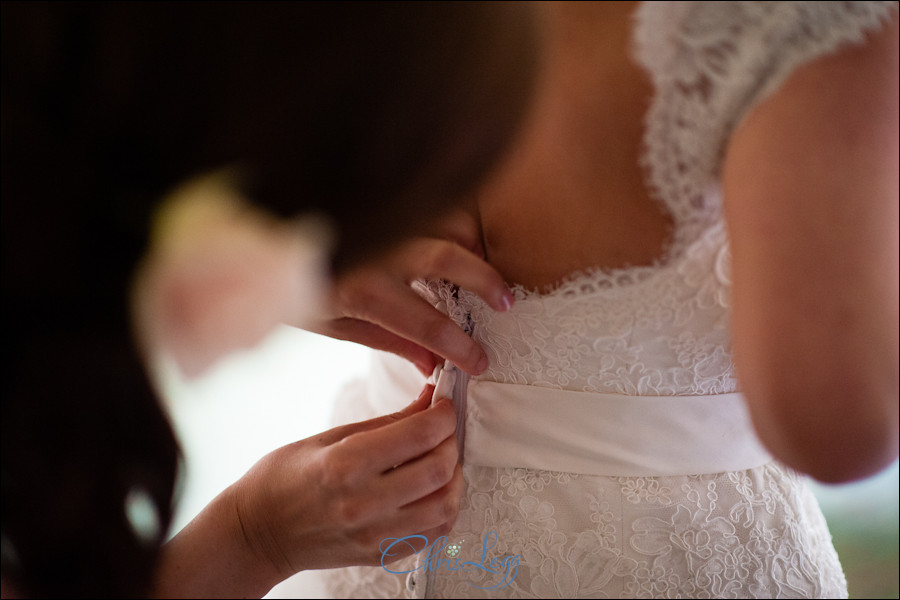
452, 382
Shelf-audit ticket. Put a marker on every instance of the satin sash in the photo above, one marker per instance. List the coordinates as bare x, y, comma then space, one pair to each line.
508, 425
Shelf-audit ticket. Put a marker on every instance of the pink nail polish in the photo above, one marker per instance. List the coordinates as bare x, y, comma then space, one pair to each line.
507, 300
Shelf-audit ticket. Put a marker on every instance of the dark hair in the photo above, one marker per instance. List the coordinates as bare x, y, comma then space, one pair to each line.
379, 115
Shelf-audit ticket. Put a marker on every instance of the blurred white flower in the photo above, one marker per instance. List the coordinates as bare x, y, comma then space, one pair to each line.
220, 274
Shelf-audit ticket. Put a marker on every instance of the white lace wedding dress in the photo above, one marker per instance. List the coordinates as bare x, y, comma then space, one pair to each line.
607, 451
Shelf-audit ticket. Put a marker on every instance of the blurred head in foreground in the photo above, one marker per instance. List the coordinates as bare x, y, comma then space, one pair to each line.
269, 128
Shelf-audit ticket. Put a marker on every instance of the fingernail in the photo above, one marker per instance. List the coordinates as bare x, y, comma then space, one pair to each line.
507, 301
482, 365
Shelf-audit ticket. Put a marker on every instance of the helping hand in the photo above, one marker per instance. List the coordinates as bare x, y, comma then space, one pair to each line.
375, 304
330, 500
326, 501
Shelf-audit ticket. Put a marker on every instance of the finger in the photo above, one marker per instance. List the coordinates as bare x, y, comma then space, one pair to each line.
419, 478
421, 403
440, 259
463, 228
431, 517
379, 338
401, 441
435, 514
336, 434
397, 308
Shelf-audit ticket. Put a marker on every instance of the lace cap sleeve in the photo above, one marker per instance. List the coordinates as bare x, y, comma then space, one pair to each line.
751, 46
794, 33
711, 63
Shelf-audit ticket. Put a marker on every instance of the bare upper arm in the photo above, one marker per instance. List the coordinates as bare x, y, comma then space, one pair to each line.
811, 197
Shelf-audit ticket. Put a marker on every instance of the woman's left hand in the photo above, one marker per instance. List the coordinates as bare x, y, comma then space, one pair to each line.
376, 306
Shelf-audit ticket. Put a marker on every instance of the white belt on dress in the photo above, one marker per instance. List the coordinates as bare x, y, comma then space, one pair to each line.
511, 425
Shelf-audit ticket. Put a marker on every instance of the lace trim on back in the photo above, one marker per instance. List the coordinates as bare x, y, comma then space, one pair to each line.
663, 329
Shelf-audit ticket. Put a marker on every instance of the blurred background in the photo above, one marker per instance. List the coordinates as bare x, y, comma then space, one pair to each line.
280, 392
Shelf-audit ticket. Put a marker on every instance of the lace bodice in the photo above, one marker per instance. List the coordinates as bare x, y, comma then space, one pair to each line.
664, 329
659, 330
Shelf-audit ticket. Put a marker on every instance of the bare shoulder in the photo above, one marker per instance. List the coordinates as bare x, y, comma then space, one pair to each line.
811, 197
847, 100
820, 158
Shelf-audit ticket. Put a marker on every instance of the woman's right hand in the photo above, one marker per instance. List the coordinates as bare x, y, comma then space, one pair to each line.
376, 306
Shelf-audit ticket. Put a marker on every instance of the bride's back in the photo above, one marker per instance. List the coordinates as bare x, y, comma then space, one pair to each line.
573, 188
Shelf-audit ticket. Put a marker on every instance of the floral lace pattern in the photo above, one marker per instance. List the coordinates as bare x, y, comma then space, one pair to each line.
661, 330
723, 535
747, 534
648, 331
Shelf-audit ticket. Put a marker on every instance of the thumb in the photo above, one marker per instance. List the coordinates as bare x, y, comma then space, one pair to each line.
417, 405
335, 435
